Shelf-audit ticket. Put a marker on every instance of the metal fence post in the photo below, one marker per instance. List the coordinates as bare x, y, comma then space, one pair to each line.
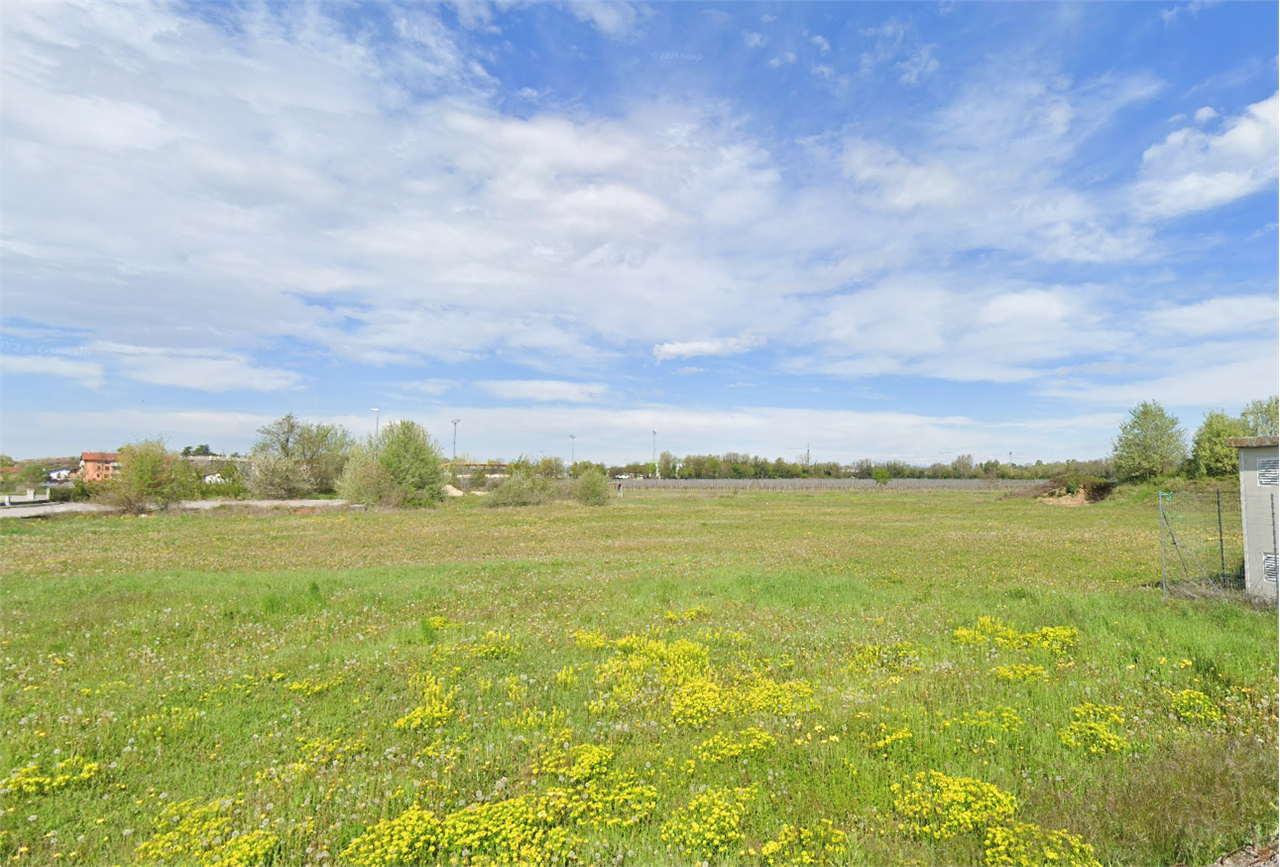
1222, 550
1164, 583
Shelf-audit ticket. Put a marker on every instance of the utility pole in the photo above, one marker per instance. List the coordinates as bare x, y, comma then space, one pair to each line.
655, 453
455, 441
377, 429
572, 459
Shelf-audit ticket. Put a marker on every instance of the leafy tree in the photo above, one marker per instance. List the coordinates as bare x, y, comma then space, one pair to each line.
1261, 417
580, 467
201, 450
412, 459
401, 466
276, 477
1210, 454
667, 465
550, 468
1150, 444
148, 475
293, 458
323, 450
881, 475
32, 474
6, 461
592, 488
962, 466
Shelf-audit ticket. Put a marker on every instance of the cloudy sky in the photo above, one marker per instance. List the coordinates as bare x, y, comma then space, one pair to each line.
875, 230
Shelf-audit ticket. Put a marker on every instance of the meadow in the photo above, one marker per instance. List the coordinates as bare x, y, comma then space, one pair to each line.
878, 678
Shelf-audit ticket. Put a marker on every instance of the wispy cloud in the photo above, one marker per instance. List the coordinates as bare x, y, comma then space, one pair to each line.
545, 390
715, 346
87, 373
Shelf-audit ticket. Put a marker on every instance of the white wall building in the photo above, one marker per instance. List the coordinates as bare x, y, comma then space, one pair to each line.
1259, 484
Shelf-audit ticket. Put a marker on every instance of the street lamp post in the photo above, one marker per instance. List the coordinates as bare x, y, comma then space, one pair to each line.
655, 453
455, 442
377, 429
572, 453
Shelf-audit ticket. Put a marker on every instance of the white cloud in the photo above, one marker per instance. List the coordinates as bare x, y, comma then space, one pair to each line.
281, 185
1171, 15
1241, 314
193, 369
821, 42
899, 184
785, 59
69, 431
920, 326
545, 390
1205, 114
87, 373
1192, 170
919, 65
433, 387
1187, 382
614, 18
753, 40
716, 346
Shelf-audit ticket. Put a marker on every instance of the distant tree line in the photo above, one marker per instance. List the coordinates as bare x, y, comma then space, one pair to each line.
734, 465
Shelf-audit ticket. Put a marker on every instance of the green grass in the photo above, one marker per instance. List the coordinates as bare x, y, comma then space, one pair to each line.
260, 663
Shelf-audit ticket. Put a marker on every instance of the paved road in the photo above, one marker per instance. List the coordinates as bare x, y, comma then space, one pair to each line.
193, 505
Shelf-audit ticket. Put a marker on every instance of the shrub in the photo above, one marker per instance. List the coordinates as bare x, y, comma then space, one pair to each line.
275, 476
1095, 487
148, 475
400, 467
521, 489
412, 461
293, 458
592, 488
364, 481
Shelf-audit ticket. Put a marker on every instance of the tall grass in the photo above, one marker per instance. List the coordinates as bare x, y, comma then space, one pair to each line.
588, 684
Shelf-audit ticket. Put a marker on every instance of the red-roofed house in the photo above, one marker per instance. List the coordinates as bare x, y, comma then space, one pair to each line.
97, 466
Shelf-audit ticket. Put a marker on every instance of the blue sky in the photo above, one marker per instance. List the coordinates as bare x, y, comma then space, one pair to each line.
894, 231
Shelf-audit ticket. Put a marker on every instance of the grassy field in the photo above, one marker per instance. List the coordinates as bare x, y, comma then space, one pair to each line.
925, 678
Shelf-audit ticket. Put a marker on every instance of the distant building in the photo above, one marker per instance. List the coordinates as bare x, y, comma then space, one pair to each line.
98, 466
1259, 483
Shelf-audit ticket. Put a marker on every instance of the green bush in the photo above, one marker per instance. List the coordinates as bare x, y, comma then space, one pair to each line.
400, 467
148, 476
1095, 487
592, 488
523, 488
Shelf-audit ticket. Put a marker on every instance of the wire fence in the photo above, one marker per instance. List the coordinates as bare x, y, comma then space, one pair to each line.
1201, 544
828, 484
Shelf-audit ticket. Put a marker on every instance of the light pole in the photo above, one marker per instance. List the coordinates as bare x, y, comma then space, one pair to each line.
655, 453
455, 442
377, 429
572, 454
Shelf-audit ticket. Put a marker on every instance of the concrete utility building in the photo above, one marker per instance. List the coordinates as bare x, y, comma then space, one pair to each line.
1259, 484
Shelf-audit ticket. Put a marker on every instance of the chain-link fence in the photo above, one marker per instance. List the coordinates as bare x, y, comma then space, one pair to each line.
798, 485
1201, 543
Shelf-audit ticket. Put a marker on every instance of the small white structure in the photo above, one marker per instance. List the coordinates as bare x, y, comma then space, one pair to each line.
1259, 484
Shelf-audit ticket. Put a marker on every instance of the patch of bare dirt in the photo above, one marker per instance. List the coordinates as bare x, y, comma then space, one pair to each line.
1251, 856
